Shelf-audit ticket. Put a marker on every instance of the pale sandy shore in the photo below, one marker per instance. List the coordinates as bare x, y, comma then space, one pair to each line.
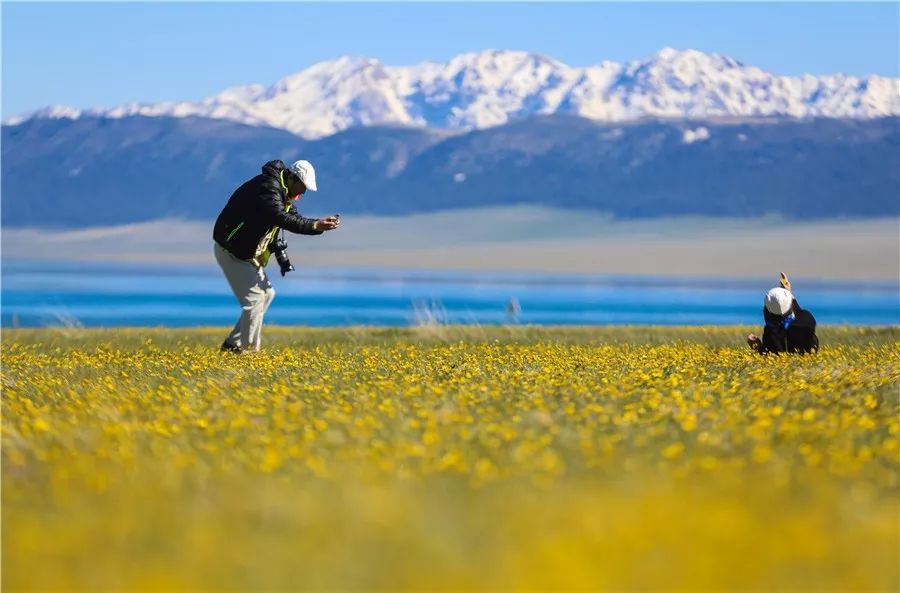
518, 239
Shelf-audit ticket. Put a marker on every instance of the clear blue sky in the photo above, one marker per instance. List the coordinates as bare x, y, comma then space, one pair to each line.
105, 54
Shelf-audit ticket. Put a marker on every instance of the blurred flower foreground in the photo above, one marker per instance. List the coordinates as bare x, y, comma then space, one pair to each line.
449, 459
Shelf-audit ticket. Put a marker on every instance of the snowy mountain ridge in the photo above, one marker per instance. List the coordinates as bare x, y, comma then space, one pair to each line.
490, 88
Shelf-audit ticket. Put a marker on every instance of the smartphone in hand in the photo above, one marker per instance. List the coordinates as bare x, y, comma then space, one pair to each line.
785, 283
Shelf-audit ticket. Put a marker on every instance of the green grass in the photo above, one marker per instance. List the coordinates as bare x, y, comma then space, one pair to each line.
279, 336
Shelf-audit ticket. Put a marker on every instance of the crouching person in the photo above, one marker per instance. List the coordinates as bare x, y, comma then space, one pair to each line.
789, 327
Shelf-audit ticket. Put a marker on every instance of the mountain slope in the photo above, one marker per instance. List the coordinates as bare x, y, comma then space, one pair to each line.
490, 88
817, 169
100, 171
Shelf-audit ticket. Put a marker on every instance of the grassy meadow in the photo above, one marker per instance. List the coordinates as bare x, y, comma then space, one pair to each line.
449, 458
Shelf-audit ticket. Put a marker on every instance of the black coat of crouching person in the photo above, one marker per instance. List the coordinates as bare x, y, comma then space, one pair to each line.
789, 327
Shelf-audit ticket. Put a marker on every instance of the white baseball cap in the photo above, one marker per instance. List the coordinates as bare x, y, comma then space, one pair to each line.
778, 301
304, 170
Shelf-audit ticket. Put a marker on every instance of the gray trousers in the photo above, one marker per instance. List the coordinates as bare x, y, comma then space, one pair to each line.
253, 291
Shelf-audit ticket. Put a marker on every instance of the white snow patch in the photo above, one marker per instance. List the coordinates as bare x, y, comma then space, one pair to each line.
698, 135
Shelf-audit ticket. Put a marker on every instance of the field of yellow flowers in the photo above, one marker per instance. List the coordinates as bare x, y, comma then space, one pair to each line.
449, 459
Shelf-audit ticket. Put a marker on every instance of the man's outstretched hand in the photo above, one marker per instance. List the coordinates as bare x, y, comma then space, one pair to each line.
327, 224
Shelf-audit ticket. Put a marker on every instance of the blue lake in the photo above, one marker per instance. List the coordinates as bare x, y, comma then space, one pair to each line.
42, 294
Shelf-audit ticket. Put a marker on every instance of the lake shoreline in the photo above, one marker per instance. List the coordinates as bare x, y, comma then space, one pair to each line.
517, 240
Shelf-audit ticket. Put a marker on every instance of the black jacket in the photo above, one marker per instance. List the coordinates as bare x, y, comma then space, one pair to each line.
798, 336
254, 209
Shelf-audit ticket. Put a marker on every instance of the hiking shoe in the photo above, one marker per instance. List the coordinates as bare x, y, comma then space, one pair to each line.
229, 347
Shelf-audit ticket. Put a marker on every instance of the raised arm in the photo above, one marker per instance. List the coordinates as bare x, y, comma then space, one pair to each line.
286, 217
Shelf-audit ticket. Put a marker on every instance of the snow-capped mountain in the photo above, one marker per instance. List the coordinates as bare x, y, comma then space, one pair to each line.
490, 88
